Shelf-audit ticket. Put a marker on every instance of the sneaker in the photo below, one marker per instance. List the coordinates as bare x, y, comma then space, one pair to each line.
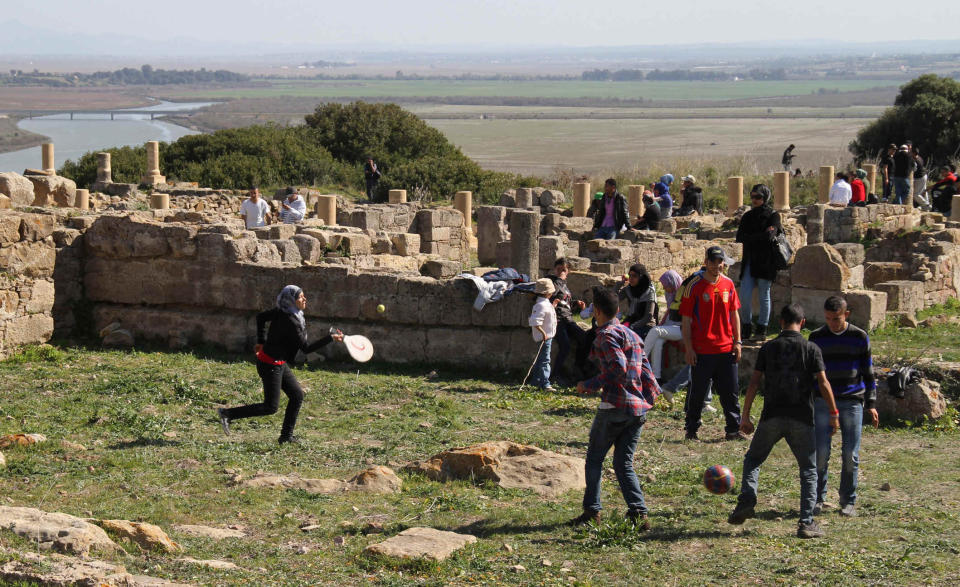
639, 521
224, 420
818, 508
735, 436
587, 517
291, 439
849, 511
811, 530
740, 514
548, 387
710, 408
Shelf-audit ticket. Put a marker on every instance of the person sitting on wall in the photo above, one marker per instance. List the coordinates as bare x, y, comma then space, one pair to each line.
691, 197
858, 189
651, 214
611, 214
293, 209
661, 193
841, 192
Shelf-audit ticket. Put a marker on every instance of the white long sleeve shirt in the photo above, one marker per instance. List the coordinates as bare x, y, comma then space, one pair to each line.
840, 193
544, 316
298, 209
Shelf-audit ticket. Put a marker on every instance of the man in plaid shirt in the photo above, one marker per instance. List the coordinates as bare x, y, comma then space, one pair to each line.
628, 390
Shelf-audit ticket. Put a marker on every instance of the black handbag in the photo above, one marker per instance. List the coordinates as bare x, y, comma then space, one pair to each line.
782, 251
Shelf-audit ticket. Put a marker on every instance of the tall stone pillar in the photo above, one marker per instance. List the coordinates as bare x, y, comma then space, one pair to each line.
397, 196
525, 242
491, 229
871, 170
581, 199
82, 200
781, 190
160, 201
734, 193
326, 209
463, 201
153, 176
826, 182
46, 153
104, 173
955, 209
634, 202
815, 215
524, 198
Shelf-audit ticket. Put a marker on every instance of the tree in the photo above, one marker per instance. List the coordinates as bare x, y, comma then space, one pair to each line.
926, 111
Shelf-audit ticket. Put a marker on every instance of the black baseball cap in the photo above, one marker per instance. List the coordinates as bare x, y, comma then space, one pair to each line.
716, 252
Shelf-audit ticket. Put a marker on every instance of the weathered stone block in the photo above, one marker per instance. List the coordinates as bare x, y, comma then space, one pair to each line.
32, 259
355, 244
551, 249
437, 218
30, 329
310, 248
439, 233
281, 231
37, 226
819, 266
53, 190
875, 272
10, 228
289, 251
902, 296
852, 253
18, 188
440, 269
922, 400
406, 243
868, 309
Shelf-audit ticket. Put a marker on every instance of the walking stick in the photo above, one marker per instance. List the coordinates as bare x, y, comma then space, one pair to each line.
530, 370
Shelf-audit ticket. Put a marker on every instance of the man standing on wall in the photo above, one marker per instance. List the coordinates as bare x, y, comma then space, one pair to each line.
371, 176
254, 211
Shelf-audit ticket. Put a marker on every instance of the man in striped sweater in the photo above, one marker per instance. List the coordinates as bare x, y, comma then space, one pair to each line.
849, 366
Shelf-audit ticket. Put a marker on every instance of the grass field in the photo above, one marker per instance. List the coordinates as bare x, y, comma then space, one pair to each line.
534, 89
155, 453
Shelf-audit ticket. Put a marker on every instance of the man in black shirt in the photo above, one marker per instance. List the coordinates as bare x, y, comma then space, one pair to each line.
903, 168
651, 214
567, 329
371, 176
787, 159
886, 171
790, 366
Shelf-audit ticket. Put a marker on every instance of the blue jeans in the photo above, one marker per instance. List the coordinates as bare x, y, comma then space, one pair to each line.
901, 186
851, 427
746, 297
621, 431
605, 232
801, 439
541, 367
721, 370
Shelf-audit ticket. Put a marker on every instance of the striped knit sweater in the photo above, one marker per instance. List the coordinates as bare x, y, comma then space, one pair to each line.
848, 363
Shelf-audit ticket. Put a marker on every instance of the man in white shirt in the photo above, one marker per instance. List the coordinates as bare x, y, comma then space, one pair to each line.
254, 210
293, 209
841, 192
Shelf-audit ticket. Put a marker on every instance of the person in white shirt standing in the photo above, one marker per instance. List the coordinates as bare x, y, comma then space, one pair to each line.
293, 209
254, 210
543, 322
841, 192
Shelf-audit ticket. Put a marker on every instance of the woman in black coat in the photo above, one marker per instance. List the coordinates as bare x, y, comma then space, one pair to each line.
758, 230
275, 350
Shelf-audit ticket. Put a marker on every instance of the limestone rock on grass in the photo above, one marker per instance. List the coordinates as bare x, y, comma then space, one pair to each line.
209, 532
213, 564
921, 400
373, 480
61, 532
56, 570
421, 543
9, 440
148, 536
510, 465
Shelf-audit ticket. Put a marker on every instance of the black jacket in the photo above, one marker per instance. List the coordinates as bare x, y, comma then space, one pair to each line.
620, 215
692, 201
564, 307
650, 219
285, 337
757, 242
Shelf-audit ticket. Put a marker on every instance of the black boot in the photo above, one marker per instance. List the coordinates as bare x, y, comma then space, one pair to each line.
761, 332
746, 330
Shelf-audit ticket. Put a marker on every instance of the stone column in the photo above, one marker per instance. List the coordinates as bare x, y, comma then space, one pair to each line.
581, 199
734, 193
524, 198
955, 209
871, 170
826, 182
815, 214
463, 201
160, 201
525, 242
46, 153
104, 173
491, 229
153, 176
83, 199
781, 190
634, 202
326, 209
397, 196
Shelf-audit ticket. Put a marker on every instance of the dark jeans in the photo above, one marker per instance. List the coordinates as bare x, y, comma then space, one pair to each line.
568, 332
801, 439
275, 378
621, 431
605, 232
371, 189
722, 371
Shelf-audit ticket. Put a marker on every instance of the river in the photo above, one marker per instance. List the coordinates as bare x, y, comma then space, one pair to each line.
92, 132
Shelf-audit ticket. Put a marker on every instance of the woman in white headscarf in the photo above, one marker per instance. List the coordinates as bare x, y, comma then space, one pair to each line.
275, 349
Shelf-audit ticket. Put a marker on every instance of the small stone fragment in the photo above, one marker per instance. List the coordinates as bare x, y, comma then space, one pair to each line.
506, 547
885, 487
518, 568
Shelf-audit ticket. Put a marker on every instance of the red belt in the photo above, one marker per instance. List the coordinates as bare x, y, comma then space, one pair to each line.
265, 358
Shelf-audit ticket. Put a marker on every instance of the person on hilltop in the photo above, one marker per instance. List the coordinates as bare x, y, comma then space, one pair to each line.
651, 214
885, 169
691, 197
254, 210
712, 345
293, 208
275, 349
840, 191
849, 366
790, 367
758, 228
371, 176
788, 156
610, 214
628, 390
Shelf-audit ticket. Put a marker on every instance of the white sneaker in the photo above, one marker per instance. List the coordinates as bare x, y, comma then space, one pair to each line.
710, 408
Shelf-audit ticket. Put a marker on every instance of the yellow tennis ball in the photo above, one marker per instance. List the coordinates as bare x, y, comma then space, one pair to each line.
381, 308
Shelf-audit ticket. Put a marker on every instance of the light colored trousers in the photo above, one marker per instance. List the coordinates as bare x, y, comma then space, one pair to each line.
653, 344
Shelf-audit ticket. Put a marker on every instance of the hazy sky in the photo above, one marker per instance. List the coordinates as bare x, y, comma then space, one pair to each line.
496, 23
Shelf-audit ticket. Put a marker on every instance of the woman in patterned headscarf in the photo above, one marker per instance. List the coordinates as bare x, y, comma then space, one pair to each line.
275, 349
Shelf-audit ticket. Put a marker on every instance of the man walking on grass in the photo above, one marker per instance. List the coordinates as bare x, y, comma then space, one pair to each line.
790, 367
849, 367
627, 390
